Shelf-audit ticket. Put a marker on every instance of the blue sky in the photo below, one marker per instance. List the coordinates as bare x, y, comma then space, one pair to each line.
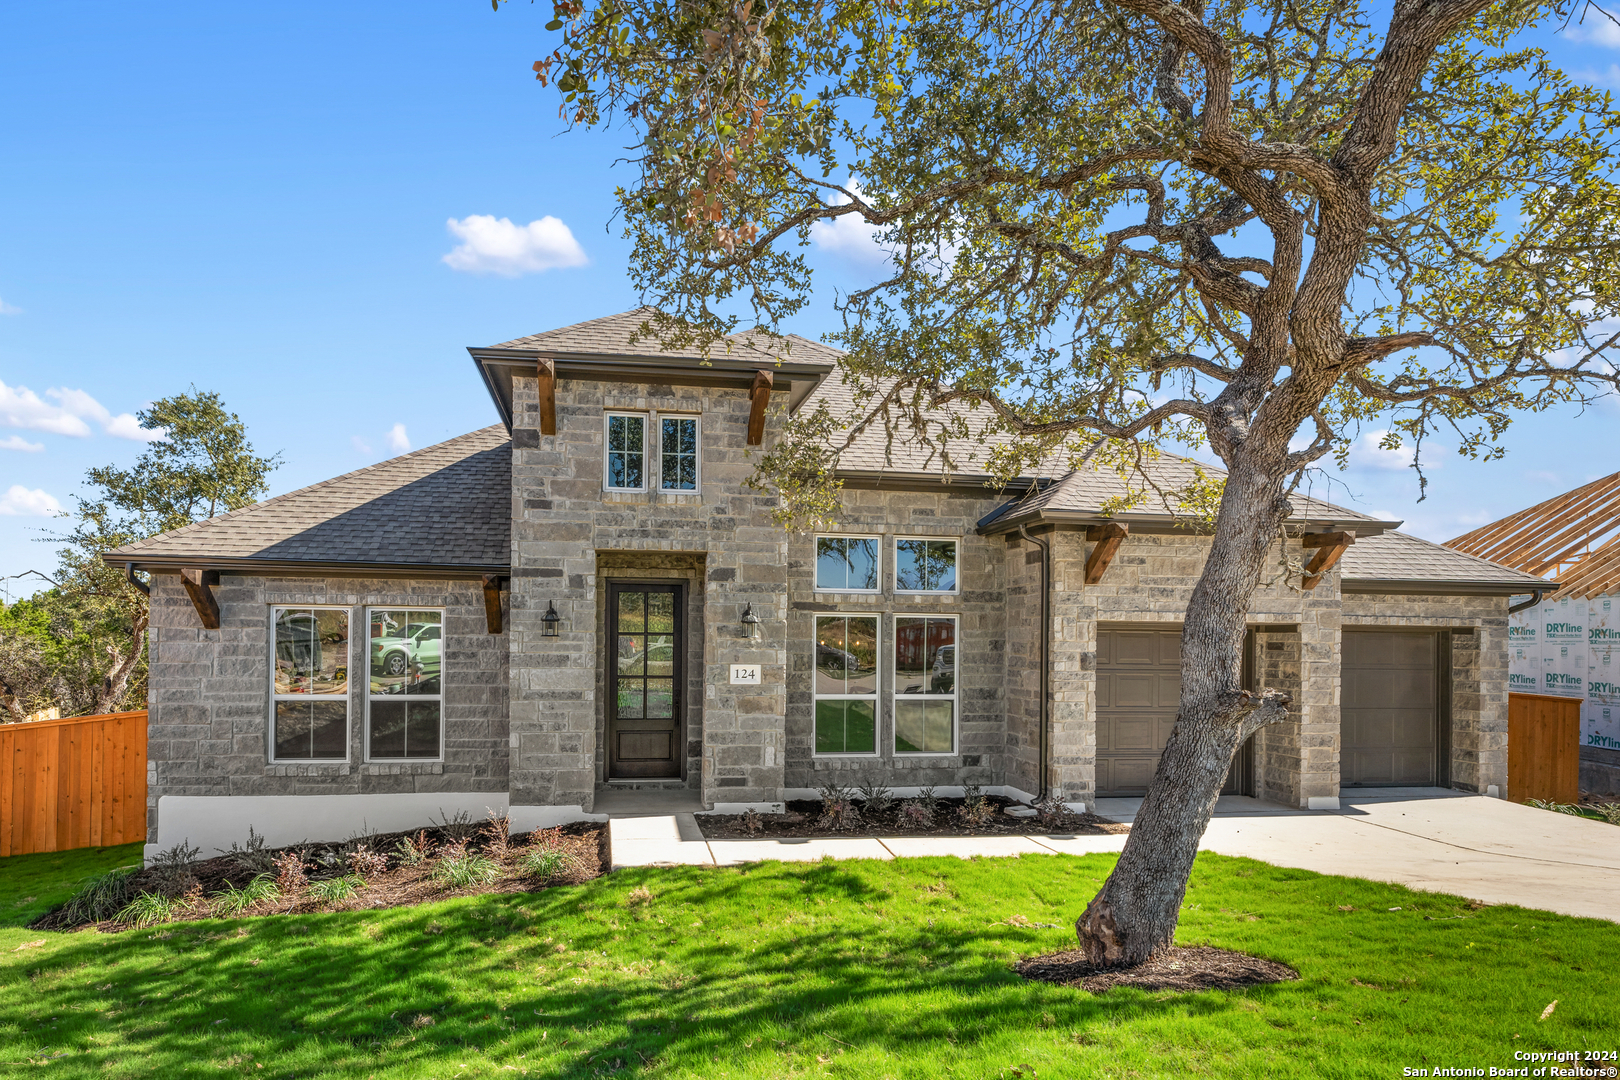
257, 199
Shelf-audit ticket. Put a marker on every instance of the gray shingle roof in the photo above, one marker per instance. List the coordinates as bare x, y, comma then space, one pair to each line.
1399, 557
611, 336
448, 505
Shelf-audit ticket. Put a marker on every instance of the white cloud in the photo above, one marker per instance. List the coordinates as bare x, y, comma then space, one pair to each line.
849, 235
17, 442
22, 408
1596, 25
398, 441
360, 445
491, 245
1609, 76
1367, 453
9, 309
19, 501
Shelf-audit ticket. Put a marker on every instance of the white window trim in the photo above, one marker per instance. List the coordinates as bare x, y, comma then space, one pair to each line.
347, 697
366, 709
876, 697
657, 435
645, 463
815, 560
894, 552
954, 697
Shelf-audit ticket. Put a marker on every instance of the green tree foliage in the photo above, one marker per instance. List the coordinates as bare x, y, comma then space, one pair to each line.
1116, 223
80, 645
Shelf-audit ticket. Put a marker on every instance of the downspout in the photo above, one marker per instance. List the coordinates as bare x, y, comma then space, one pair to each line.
129, 576
1535, 598
1045, 637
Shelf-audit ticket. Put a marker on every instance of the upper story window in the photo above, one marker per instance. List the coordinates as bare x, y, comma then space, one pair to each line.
626, 452
925, 565
309, 684
678, 453
847, 563
405, 698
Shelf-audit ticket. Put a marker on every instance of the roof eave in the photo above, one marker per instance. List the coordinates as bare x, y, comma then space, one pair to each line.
173, 564
1435, 587
1171, 522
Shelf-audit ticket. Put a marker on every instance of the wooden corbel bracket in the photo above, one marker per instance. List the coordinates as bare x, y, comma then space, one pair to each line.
546, 372
492, 602
1329, 549
200, 587
1105, 541
758, 398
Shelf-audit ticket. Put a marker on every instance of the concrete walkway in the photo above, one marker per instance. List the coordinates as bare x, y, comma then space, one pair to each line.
1426, 838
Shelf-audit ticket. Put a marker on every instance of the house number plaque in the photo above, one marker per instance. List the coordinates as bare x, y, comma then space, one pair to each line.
744, 674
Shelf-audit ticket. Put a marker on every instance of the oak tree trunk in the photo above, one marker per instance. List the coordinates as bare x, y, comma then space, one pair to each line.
1135, 913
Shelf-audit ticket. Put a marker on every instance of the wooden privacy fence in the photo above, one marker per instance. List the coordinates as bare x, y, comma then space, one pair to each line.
73, 783
1544, 747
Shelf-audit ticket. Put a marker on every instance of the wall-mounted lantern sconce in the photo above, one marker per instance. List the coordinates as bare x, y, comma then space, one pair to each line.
750, 624
550, 621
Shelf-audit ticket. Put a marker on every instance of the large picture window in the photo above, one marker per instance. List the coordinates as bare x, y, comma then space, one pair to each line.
405, 702
925, 684
310, 684
678, 453
847, 563
626, 452
925, 565
846, 684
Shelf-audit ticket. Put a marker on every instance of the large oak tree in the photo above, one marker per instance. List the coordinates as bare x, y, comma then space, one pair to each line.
1256, 225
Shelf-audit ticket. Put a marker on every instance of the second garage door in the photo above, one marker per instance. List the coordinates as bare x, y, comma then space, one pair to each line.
1389, 709
1138, 691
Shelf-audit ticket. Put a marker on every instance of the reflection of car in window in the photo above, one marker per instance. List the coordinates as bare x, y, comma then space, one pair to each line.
942, 673
662, 653
417, 652
831, 660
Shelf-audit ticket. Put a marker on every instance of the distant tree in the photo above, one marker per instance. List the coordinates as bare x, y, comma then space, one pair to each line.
81, 644
1255, 225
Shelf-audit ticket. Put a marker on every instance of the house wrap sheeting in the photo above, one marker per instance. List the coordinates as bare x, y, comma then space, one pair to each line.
1570, 647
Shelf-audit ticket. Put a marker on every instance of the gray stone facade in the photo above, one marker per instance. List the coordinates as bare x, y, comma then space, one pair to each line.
526, 715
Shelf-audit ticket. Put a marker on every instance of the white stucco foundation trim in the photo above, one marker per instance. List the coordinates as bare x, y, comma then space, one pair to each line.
215, 821
1322, 802
1004, 790
744, 807
529, 818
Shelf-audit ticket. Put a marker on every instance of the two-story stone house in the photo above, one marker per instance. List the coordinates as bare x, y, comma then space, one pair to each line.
589, 594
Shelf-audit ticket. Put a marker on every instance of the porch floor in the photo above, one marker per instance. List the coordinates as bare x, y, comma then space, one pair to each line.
645, 802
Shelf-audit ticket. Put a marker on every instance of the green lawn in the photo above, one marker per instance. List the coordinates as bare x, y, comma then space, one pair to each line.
849, 969
31, 885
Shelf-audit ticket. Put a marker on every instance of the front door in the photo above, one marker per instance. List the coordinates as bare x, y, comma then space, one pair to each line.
646, 641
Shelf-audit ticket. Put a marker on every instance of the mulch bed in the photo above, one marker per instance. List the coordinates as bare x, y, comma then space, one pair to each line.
399, 885
1201, 967
806, 819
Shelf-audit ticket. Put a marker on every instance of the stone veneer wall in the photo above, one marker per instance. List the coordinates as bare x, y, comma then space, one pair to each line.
981, 629
1479, 671
1151, 581
562, 520
208, 696
1021, 678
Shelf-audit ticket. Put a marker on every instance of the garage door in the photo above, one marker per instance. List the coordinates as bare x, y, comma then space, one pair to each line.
1138, 691
1389, 709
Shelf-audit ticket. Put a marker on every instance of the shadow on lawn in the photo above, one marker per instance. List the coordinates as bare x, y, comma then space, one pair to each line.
766, 965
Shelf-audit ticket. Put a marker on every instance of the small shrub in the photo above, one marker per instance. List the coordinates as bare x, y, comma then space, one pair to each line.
546, 864
1555, 806
148, 909
290, 876
233, 901
876, 799
465, 869
252, 858
413, 851
976, 809
171, 869
916, 814
638, 896
366, 863
334, 889
497, 837
1610, 812
102, 898
1050, 811
838, 810
926, 797
458, 827
752, 821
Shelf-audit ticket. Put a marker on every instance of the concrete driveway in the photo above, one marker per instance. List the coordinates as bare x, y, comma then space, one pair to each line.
1433, 839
